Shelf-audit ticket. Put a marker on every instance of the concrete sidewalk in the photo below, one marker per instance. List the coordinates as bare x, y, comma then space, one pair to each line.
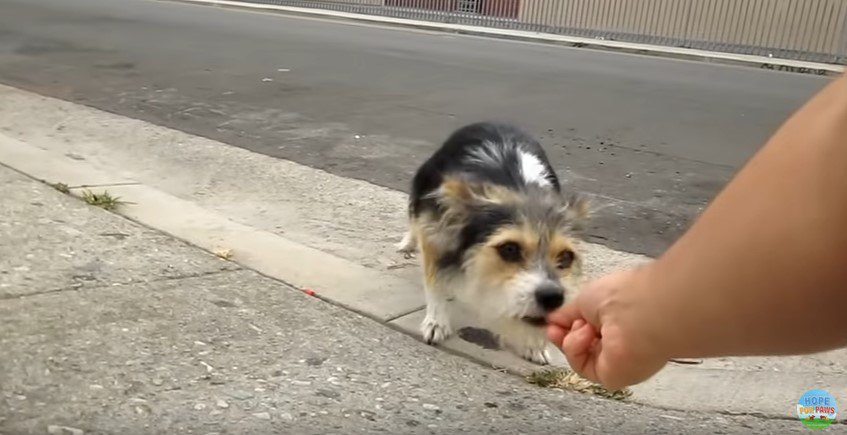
111, 327
275, 216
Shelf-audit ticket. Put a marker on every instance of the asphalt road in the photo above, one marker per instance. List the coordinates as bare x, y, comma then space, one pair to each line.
653, 138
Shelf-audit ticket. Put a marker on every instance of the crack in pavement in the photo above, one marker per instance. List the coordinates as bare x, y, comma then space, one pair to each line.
101, 286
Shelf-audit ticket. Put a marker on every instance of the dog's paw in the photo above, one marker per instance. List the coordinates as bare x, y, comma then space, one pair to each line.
537, 355
435, 331
529, 343
407, 251
407, 246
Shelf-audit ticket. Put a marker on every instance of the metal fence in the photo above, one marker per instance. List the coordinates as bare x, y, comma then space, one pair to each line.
811, 30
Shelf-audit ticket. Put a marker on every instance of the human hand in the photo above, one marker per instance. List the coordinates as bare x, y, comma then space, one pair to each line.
605, 332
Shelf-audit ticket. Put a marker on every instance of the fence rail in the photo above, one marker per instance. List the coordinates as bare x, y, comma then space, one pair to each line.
810, 30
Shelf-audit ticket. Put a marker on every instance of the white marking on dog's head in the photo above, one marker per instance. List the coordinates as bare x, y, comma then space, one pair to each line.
532, 170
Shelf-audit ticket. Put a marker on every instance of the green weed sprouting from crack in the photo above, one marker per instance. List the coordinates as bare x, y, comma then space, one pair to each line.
103, 200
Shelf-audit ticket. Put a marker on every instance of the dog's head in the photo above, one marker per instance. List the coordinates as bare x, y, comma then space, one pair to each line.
517, 250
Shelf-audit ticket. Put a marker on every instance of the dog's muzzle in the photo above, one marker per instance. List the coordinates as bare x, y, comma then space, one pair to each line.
548, 298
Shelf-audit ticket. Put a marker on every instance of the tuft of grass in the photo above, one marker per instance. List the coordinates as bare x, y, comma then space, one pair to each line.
61, 187
103, 200
567, 379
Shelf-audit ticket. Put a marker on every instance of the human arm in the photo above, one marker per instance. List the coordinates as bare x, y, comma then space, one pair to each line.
763, 271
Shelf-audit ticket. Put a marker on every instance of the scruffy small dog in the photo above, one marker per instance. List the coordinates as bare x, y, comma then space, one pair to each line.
493, 229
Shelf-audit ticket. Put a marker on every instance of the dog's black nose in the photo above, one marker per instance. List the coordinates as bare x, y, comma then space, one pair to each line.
550, 297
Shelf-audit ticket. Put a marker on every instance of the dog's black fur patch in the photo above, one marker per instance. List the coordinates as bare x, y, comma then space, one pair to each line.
502, 143
483, 223
453, 159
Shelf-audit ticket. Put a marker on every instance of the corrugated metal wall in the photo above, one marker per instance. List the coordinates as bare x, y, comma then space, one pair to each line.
813, 30
796, 29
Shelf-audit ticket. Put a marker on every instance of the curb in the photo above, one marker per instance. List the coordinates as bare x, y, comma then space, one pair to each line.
763, 62
355, 287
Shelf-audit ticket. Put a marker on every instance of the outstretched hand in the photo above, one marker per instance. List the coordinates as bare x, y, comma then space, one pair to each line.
603, 335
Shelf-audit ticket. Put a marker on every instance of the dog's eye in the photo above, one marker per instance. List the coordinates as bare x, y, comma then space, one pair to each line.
510, 251
565, 259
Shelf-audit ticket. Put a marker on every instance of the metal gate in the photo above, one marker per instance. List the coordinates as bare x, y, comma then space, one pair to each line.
471, 6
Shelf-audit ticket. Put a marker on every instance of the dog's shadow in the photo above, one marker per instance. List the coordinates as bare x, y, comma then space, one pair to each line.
480, 337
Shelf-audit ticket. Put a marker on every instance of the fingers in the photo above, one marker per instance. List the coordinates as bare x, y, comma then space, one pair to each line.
581, 347
568, 329
564, 316
556, 334
585, 306
559, 323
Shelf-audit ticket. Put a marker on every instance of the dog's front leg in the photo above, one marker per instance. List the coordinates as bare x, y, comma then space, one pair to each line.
527, 341
436, 324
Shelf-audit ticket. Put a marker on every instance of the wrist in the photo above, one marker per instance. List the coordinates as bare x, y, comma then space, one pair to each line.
651, 314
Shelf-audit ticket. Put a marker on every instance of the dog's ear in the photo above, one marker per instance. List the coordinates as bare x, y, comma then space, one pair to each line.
458, 194
577, 211
457, 198
455, 192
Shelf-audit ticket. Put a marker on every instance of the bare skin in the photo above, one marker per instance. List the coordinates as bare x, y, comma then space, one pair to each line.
763, 271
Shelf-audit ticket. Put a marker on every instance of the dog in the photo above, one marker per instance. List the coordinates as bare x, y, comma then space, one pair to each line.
487, 214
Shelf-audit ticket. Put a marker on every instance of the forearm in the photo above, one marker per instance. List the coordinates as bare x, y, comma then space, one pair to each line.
764, 269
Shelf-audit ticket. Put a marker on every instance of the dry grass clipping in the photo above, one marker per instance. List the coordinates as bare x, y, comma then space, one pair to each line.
223, 253
61, 187
567, 379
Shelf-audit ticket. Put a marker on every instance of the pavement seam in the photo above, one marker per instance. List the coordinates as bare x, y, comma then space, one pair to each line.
632, 48
403, 314
763, 416
121, 284
89, 186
